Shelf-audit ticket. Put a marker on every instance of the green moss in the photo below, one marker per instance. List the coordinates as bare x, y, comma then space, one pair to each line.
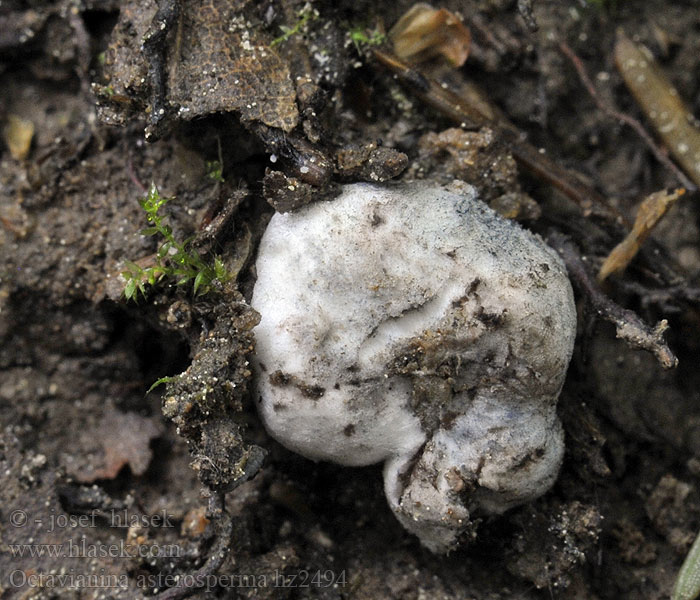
305, 15
362, 36
174, 259
215, 170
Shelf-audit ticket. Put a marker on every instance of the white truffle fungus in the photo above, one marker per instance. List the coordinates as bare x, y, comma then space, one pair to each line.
410, 324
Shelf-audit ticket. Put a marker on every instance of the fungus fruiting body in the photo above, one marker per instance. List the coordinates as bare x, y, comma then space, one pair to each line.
411, 325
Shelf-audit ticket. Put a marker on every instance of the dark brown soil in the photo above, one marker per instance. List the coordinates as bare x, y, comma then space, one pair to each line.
104, 488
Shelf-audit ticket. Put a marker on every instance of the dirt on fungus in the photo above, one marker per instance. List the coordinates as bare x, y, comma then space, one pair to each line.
104, 488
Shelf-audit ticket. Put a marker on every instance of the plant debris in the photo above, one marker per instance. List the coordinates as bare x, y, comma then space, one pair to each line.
218, 63
203, 400
649, 213
425, 32
223, 523
369, 162
468, 113
224, 64
660, 155
628, 325
661, 103
18, 134
475, 157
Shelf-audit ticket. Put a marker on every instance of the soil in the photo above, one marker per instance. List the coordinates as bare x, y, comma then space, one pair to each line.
104, 487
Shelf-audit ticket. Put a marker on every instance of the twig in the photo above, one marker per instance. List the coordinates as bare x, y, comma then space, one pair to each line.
198, 580
660, 155
468, 115
628, 325
671, 298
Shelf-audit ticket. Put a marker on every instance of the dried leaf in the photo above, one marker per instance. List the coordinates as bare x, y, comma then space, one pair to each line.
687, 586
217, 61
224, 64
650, 212
424, 32
661, 103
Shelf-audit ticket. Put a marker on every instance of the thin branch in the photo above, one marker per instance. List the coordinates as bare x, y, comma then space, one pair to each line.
660, 155
467, 114
668, 299
628, 325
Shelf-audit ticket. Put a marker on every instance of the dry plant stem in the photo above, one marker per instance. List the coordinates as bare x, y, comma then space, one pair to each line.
667, 299
216, 222
650, 212
590, 201
304, 160
660, 155
430, 92
224, 526
628, 325
470, 116
661, 104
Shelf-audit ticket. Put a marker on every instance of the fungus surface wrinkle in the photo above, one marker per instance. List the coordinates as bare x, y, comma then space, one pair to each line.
435, 337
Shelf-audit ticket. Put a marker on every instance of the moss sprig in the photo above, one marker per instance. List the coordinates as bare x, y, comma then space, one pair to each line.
173, 259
